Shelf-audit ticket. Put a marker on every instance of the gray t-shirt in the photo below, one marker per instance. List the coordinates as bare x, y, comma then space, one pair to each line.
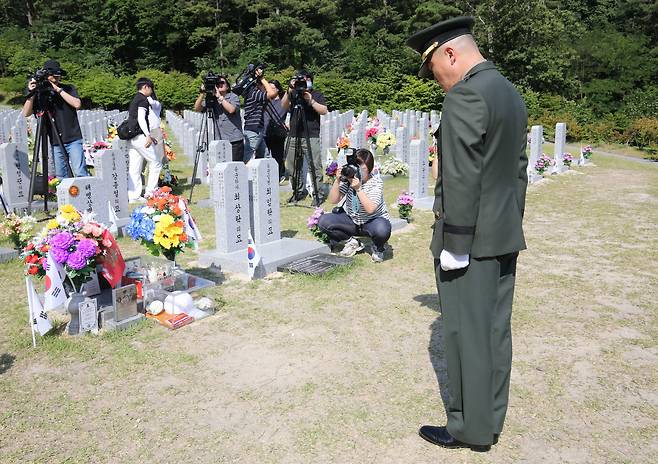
227, 126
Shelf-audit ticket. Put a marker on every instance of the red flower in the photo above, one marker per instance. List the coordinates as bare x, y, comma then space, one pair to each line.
33, 270
29, 247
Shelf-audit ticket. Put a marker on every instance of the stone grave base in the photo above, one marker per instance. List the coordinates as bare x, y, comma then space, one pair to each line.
560, 170
7, 254
424, 203
398, 224
273, 255
111, 324
534, 178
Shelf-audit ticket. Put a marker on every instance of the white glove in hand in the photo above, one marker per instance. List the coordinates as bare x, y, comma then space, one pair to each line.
450, 261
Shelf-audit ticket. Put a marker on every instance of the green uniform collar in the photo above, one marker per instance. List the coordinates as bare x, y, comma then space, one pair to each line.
477, 68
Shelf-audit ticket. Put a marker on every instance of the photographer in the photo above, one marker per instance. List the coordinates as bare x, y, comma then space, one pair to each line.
226, 112
364, 211
63, 100
255, 98
314, 105
142, 146
276, 130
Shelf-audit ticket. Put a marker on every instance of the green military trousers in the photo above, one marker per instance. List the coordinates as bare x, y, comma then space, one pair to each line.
476, 307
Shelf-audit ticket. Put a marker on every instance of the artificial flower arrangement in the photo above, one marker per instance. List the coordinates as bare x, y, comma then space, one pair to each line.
18, 229
343, 142
586, 151
167, 178
432, 155
90, 150
53, 182
385, 140
331, 169
543, 163
371, 134
74, 240
312, 225
405, 204
567, 159
162, 224
394, 167
112, 132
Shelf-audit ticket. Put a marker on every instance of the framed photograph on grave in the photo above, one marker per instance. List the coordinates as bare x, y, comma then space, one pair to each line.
88, 315
124, 300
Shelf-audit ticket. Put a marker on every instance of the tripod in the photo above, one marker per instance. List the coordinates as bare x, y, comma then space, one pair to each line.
46, 124
297, 120
204, 138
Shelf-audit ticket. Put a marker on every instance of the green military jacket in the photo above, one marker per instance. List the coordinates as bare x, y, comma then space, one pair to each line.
481, 188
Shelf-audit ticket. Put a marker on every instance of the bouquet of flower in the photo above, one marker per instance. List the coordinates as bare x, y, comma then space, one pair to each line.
53, 182
543, 163
74, 240
18, 229
312, 225
394, 167
567, 159
405, 204
371, 134
586, 151
330, 171
343, 142
385, 140
112, 132
432, 155
90, 150
161, 224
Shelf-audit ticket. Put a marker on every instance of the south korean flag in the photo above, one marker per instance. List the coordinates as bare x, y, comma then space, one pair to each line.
54, 296
38, 317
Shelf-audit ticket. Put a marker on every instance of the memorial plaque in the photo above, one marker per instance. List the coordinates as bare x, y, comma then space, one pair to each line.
124, 300
111, 168
85, 194
88, 315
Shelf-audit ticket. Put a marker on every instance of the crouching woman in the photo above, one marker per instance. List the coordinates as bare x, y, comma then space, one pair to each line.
363, 213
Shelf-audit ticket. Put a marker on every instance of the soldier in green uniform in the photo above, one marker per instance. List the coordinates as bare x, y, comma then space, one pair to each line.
479, 202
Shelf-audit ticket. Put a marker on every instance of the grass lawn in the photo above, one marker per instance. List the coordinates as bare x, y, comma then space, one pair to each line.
346, 367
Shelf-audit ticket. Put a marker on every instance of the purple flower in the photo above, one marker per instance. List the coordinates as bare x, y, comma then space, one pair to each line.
60, 255
331, 169
76, 261
62, 240
87, 247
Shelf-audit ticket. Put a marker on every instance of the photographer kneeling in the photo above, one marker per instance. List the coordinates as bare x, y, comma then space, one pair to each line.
364, 211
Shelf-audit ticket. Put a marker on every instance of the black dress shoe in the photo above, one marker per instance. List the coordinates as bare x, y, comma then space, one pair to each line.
495, 441
441, 437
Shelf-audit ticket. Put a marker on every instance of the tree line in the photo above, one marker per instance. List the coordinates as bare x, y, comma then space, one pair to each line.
593, 62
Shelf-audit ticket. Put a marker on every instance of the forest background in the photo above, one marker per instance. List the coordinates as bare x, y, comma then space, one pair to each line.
590, 63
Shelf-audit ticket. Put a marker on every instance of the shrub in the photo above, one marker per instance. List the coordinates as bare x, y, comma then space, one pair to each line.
643, 133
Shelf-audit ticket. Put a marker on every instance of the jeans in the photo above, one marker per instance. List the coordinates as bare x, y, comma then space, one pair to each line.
253, 143
76, 159
339, 227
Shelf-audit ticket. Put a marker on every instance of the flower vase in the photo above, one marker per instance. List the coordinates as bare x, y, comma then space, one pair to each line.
386, 150
373, 148
73, 308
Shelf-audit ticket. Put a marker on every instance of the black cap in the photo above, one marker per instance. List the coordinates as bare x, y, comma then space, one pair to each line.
428, 40
53, 68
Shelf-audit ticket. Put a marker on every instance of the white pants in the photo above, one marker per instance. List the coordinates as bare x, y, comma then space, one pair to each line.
137, 154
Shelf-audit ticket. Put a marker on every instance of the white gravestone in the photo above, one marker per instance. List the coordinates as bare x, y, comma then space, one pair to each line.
536, 140
265, 200
111, 168
418, 169
559, 149
85, 194
231, 202
15, 176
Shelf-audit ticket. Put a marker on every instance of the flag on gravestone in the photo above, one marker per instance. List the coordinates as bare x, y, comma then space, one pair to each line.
54, 295
253, 258
113, 263
191, 229
38, 317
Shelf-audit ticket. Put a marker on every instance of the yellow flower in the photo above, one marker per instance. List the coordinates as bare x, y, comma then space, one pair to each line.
167, 232
69, 213
52, 224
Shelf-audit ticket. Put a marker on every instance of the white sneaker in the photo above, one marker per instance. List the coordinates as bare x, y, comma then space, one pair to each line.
352, 246
377, 256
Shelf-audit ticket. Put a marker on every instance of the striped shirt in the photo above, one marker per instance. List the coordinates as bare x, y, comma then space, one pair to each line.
254, 105
374, 190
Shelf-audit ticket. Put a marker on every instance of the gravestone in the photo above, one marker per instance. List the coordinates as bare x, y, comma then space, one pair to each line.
402, 141
111, 168
123, 148
85, 194
265, 200
231, 200
536, 141
418, 174
559, 148
15, 176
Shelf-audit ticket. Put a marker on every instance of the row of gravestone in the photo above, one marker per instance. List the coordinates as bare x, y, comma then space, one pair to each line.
105, 193
536, 140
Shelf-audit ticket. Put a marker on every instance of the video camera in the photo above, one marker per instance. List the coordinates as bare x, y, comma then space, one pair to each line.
210, 81
351, 169
40, 76
247, 78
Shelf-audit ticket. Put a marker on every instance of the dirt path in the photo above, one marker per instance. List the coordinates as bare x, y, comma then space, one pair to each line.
344, 369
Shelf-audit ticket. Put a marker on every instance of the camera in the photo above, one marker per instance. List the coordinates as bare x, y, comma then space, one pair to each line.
351, 169
40, 76
210, 81
247, 78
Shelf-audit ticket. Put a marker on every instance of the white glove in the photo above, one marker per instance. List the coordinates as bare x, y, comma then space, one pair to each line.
450, 262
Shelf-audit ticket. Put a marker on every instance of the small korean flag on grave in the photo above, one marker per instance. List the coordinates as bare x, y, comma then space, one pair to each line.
253, 258
38, 317
54, 296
